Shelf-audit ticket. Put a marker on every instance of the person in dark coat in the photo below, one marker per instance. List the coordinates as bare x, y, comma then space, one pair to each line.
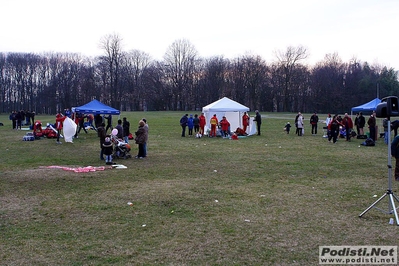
395, 153
258, 120
183, 124
314, 119
101, 134
362, 123
371, 122
107, 150
126, 130
140, 139
394, 127
109, 122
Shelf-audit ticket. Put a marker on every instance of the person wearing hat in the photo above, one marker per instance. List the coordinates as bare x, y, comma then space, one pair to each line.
107, 150
258, 120
287, 127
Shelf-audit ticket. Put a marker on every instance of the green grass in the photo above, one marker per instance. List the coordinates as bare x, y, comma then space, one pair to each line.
273, 199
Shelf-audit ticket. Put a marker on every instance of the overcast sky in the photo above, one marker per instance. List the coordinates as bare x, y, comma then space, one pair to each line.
365, 29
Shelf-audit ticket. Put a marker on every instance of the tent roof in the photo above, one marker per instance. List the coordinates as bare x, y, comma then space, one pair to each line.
367, 107
225, 105
96, 107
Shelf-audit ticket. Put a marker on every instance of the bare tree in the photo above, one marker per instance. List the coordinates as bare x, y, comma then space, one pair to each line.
135, 63
180, 61
287, 62
112, 46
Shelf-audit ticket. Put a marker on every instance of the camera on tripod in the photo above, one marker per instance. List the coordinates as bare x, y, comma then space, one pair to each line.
388, 107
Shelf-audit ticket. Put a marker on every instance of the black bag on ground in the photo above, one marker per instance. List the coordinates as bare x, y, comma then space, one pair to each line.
361, 137
369, 142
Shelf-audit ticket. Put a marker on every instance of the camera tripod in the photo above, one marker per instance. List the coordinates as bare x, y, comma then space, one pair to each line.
389, 193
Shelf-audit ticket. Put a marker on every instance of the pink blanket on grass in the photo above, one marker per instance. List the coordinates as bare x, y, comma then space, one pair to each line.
78, 169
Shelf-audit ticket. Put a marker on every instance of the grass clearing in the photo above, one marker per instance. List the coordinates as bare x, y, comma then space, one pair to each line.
273, 199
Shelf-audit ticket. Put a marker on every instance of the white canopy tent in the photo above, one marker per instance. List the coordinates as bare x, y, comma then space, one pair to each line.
232, 110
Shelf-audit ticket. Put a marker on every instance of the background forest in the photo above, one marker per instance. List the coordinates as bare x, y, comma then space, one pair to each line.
133, 81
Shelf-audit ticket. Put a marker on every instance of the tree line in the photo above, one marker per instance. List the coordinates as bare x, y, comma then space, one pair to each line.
132, 81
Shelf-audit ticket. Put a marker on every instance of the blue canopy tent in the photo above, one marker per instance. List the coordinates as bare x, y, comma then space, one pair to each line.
367, 107
95, 107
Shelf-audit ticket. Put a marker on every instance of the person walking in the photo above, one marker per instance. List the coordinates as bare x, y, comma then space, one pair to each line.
80, 121
109, 122
258, 120
183, 124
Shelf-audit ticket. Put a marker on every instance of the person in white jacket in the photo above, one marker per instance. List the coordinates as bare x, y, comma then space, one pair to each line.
300, 124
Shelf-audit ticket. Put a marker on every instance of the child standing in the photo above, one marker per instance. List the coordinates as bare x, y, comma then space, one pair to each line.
288, 127
107, 150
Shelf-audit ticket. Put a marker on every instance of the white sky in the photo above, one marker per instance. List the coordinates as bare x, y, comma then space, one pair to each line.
365, 29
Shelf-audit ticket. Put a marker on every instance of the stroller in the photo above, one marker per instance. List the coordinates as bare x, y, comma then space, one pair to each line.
121, 150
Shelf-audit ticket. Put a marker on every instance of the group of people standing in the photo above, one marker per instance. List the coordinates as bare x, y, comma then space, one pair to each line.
21, 118
123, 133
197, 123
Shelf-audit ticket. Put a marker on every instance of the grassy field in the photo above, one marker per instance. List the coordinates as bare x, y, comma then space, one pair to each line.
262, 200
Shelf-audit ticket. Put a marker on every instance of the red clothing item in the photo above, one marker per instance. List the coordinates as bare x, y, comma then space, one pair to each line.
225, 124
202, 121
245, 120
214, 122
348, 122
58, 122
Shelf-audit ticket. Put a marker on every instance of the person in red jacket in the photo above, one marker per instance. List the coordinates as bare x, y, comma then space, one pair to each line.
348, 123
225, 127
245, 121
59, 120
214, 122
202, 123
